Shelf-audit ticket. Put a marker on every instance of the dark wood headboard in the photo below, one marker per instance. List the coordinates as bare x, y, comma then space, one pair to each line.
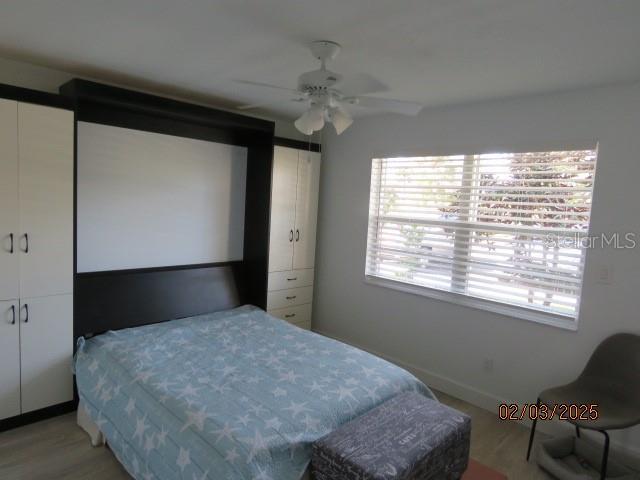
131, 298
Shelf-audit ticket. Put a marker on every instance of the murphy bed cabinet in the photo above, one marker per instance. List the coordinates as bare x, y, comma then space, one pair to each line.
36, 257
292, 242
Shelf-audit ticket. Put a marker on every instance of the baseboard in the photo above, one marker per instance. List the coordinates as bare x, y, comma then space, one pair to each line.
36, 415
490, 402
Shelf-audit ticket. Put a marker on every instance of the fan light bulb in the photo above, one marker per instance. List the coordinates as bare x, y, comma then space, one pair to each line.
340, 119
302, 124
311, 120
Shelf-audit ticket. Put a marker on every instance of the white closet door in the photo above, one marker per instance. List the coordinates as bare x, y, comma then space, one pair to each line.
8, 200
46, 349
283, 208
9, 360
306, 210
45, 141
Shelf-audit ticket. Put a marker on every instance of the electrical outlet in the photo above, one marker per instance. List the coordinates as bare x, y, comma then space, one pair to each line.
604, 274
487, 364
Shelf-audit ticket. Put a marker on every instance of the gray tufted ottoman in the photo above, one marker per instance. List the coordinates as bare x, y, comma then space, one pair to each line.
406, 438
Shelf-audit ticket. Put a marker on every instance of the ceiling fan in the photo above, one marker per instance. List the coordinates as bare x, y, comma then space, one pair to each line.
328, 96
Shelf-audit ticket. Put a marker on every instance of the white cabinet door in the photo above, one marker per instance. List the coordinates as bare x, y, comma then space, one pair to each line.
46, 350
8, 200
283, 208
9, 360
45, 141
306, 210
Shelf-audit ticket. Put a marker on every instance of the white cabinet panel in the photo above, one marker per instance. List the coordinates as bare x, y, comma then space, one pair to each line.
8, 199
9, 360
45, 140
283, 208
46, 349
150, 200
289, 298
306, 209
290, 279
299, 315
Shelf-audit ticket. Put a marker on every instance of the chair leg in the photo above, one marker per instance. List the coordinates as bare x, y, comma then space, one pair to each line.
605, 456
577, 431
533, 431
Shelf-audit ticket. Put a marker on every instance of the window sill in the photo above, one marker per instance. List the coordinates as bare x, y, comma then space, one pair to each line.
559, 321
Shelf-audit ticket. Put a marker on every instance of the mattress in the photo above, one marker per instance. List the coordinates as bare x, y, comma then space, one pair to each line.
237, 394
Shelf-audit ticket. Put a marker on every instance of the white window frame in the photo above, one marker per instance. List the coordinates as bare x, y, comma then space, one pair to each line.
567, 322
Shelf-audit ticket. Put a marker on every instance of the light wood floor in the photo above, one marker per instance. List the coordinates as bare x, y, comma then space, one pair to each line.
58, 449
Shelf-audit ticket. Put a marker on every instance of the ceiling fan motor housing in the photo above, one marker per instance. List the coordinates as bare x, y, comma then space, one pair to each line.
325, 50
317, 81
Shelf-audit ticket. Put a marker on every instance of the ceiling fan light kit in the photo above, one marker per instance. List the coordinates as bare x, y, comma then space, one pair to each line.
327, 94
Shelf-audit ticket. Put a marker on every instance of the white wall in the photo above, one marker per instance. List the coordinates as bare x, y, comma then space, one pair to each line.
445, 343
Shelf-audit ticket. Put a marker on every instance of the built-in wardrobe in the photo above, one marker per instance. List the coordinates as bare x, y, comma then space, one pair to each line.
41, 289
36, 256
292, 239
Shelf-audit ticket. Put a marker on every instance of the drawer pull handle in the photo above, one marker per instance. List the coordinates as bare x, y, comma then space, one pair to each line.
11, 239
292, 279
26, 243
291, 235
297, 235
26, 311
290, 315
13, 314
291, 297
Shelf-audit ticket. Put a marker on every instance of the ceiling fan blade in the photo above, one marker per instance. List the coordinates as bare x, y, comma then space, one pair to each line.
267, 85
360, 84
394, 106
249, 106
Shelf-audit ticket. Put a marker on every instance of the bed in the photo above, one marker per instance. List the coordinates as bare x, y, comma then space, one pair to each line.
236, 394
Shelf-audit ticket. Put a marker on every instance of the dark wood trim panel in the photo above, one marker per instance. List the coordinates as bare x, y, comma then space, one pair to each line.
166, 268
117, 116
298, 144
27, 95
124, 104
257, 218
37, 415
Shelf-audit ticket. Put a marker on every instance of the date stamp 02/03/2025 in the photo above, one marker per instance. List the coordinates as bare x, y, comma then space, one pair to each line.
560, 411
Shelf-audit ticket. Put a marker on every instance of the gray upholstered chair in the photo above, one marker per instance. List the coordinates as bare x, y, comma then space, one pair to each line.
611, 380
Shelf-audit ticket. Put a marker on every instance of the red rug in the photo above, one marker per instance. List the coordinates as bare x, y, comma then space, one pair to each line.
477, 471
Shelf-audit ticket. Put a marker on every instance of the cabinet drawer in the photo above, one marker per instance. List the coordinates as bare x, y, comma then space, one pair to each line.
288, 298
299, 315
290, 279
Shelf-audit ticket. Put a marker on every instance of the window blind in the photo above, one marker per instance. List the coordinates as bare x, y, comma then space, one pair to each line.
505, 227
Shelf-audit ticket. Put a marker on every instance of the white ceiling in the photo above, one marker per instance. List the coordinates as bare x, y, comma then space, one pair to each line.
435, 52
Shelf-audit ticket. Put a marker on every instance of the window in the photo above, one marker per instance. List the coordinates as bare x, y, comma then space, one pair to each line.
490, 230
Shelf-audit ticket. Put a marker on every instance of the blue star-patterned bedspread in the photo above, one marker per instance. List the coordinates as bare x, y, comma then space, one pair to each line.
237, 394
